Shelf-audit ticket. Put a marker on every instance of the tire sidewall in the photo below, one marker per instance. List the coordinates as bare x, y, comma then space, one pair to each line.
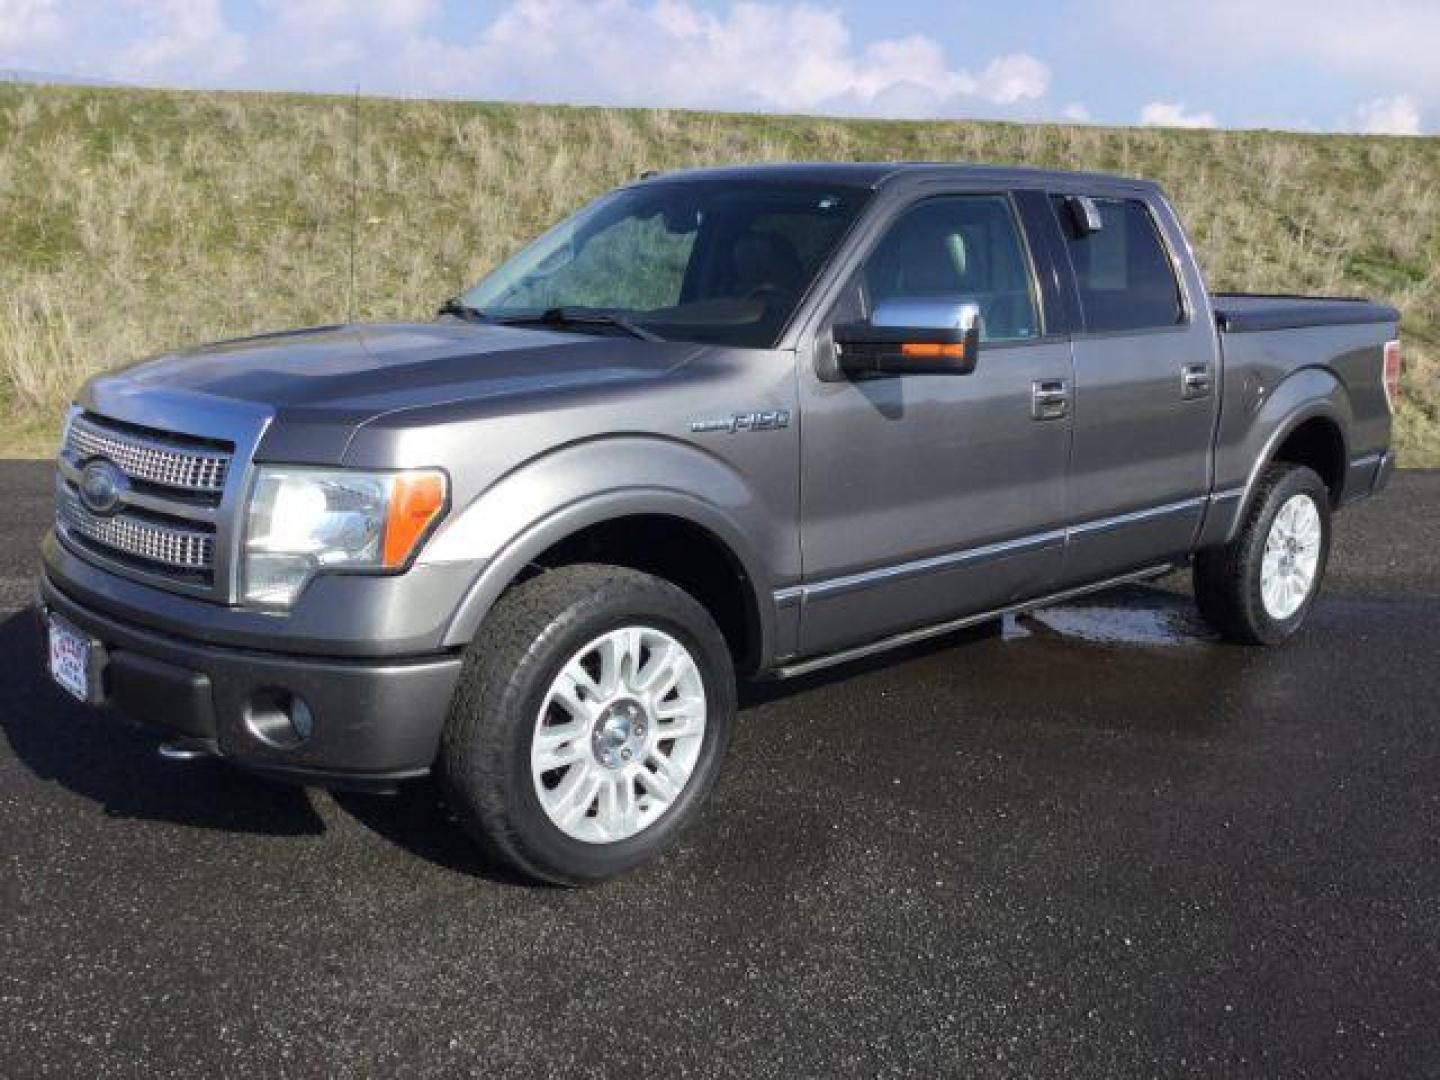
1296, 481
543, 842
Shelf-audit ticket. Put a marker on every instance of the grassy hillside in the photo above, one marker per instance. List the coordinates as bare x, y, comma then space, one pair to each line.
132, 221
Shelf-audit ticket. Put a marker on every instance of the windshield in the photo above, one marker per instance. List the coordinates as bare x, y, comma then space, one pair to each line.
716, 261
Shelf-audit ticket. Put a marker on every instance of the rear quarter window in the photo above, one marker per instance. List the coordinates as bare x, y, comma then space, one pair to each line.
1123, 272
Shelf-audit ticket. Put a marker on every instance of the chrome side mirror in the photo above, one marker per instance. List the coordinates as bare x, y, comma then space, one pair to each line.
912, 336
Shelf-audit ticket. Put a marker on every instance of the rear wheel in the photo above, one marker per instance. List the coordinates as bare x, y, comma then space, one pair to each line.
1258, 589
590, 723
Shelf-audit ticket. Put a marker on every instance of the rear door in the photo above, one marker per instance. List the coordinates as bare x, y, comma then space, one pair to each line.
1145, 384
925, 497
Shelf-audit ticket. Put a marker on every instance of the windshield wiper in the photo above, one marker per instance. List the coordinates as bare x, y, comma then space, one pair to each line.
582, 316
461, 310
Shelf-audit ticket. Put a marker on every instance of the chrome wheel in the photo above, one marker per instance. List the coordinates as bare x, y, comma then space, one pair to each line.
618, 735
1292, 557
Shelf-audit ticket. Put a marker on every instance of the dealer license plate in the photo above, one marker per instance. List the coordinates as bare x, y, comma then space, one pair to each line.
70, 658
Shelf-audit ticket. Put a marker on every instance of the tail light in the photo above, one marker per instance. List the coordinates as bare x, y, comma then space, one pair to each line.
1393, 364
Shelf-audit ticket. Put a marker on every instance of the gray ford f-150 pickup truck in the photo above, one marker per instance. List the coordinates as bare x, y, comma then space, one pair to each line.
719, 423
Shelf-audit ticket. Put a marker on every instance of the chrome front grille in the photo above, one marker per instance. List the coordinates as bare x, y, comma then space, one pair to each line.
153, 459
168, 525
173, 547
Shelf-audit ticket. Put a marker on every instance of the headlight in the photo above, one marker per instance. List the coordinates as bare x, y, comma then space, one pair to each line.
302, 522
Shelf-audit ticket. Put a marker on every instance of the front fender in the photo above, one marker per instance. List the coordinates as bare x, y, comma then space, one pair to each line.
534, 507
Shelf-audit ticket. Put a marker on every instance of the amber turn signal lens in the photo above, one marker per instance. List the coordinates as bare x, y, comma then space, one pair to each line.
933, 350
416, 501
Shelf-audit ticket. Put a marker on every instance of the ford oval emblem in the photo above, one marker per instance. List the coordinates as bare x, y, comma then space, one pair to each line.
102, 487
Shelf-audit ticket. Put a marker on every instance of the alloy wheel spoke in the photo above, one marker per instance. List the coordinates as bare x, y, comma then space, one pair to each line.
659, 668
575, 794
558, 745
617, 809
680, 723
611, 655
662, 780
576, 692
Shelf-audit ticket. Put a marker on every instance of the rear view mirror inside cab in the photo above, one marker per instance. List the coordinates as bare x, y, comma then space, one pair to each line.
912, 337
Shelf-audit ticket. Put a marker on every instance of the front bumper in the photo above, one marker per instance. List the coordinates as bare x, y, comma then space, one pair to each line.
375, 722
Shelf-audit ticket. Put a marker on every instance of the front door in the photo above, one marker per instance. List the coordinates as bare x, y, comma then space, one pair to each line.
927, 497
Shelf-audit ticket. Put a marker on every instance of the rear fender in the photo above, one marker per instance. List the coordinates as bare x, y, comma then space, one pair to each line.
1303, 396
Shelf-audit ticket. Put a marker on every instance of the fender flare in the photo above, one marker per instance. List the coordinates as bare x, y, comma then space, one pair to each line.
1334, 406
546, 501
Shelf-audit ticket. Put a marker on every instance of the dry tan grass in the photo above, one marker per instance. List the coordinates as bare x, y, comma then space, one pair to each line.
136, 221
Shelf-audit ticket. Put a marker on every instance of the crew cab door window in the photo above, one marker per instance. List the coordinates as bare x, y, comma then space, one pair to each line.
1123, 271
964, 247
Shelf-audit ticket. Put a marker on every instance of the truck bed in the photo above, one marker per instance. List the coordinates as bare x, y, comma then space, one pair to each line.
1240, 313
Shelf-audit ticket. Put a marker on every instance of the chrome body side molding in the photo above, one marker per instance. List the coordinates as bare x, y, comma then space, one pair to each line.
884, 575
924, 633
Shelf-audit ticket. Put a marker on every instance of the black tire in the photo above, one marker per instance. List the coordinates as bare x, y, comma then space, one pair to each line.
533, 631
1228, 579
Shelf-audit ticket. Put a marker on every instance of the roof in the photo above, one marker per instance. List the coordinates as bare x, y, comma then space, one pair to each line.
875, 174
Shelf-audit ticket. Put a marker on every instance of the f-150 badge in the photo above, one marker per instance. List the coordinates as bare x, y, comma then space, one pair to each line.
770, 420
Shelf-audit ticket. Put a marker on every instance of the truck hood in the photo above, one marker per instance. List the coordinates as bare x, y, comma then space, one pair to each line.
320, 385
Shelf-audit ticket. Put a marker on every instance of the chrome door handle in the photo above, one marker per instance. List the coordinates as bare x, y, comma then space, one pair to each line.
1195, 381
1049, 399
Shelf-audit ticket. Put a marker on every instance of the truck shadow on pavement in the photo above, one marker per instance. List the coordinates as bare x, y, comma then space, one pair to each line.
113, 763
101, 757
416, 820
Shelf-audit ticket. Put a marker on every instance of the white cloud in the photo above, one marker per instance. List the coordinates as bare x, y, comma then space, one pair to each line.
179, 35
789, 57
30, 23
1012, 78
1388, 44
1398, 115
1230, 31
766, 55
1169, 114
186, 41
1076, 113
348, 16
338, 44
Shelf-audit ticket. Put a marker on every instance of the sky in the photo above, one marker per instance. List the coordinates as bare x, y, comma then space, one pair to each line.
1311, 65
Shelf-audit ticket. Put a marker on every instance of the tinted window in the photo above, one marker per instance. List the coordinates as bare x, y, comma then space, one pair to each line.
1124, 274
966, 247
720, 261
636, 264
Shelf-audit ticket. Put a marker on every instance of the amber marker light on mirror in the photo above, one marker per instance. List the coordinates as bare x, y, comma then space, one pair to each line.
933, 350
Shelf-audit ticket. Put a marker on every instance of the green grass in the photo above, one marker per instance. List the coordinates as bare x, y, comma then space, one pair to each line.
134, 221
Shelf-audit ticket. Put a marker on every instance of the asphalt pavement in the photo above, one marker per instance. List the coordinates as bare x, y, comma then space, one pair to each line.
1101, 844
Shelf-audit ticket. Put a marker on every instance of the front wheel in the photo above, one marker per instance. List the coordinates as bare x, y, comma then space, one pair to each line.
1258, 589
590, 723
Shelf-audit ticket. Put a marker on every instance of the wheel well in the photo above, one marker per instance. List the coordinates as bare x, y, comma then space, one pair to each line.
1318, 445
686, 555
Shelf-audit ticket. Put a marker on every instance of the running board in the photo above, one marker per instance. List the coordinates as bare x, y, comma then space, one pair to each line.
925, 633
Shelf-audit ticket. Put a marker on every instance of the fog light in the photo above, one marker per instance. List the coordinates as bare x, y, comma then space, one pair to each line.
279, 718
